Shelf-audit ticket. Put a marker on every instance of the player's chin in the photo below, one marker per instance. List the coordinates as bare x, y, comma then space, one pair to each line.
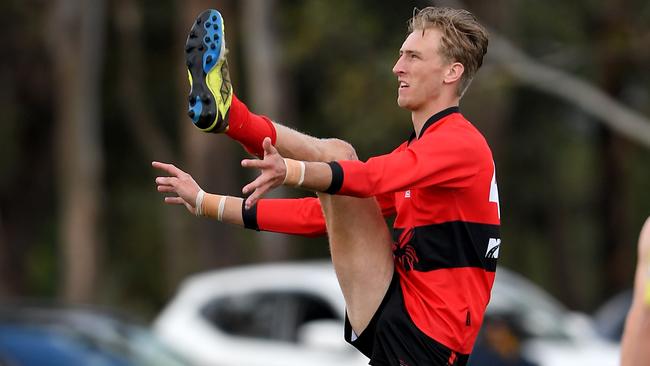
404, 102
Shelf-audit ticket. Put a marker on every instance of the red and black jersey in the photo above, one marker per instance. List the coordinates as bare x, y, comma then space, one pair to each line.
443, 190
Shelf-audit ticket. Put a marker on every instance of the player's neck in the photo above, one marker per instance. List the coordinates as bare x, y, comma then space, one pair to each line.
421, 115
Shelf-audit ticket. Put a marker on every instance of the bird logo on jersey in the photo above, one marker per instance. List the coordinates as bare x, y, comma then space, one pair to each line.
404, 252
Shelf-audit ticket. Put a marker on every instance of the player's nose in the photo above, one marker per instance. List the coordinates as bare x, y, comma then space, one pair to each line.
398, 68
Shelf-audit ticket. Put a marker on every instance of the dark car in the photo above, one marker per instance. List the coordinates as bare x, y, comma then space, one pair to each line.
67, 336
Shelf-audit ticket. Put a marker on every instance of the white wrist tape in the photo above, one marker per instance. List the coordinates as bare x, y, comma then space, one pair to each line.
295, 172
286, 171
222, 206
302, 174
198, 206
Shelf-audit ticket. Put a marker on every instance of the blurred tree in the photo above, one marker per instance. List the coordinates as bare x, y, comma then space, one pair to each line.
268, 92
77, 45
26, 159
4, 290
614, 32
140, 120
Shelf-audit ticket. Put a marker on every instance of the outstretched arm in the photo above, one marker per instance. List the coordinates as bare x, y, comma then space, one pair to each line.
296, 216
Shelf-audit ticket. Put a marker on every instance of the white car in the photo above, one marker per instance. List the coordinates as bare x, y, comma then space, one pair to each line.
276, 314
292, 314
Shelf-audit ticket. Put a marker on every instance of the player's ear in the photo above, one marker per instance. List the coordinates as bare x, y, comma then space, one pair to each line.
454, 72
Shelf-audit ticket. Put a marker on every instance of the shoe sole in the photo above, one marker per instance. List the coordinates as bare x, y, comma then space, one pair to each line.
205, 55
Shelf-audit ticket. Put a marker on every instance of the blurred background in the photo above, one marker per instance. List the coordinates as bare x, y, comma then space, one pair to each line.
92, 91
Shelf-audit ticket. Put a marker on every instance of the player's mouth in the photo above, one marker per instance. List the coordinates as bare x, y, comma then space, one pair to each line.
403, 84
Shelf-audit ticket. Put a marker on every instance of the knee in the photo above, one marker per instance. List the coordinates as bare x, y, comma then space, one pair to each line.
335, 149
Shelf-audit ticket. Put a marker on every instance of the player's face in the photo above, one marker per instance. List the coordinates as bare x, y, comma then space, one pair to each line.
420, 70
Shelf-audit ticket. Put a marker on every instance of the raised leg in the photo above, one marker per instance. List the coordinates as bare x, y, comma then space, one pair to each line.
360, 244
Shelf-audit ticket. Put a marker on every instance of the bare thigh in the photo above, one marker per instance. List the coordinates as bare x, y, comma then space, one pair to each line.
360, 246
360, 243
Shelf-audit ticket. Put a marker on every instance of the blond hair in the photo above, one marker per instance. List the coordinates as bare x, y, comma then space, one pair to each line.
463, 39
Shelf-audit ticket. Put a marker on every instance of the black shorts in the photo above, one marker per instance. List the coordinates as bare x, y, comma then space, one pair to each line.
392, 338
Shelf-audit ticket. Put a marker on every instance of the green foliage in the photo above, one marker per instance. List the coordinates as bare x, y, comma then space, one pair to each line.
341, 54
554, 163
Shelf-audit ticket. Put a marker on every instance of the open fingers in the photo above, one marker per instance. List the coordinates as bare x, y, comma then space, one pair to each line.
254, 163
259, 182
255, 196
166, 189
174, 201
269, 149
168, 168
166, 181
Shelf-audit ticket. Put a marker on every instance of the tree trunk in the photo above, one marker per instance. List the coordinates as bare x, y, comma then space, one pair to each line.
4, 262
614, 150
77, 41
266, 91
141, 123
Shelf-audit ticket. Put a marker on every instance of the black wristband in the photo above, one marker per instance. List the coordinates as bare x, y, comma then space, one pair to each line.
249, 216
337, 178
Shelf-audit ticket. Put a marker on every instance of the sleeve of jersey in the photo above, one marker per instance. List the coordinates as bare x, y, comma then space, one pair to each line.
444, 160
297, 216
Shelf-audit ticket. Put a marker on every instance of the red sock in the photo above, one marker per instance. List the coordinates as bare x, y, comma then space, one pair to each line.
249, 129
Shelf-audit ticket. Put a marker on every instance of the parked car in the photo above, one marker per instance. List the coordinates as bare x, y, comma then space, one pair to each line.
553, 335
36, 335
292, 314
276, 314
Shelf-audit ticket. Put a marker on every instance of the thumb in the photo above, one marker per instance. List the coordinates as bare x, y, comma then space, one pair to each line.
268, 147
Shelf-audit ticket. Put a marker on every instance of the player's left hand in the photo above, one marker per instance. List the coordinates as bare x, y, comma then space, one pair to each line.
179, 183
273, 172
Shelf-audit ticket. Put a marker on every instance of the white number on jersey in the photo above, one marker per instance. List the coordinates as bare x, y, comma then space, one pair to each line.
494, 191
